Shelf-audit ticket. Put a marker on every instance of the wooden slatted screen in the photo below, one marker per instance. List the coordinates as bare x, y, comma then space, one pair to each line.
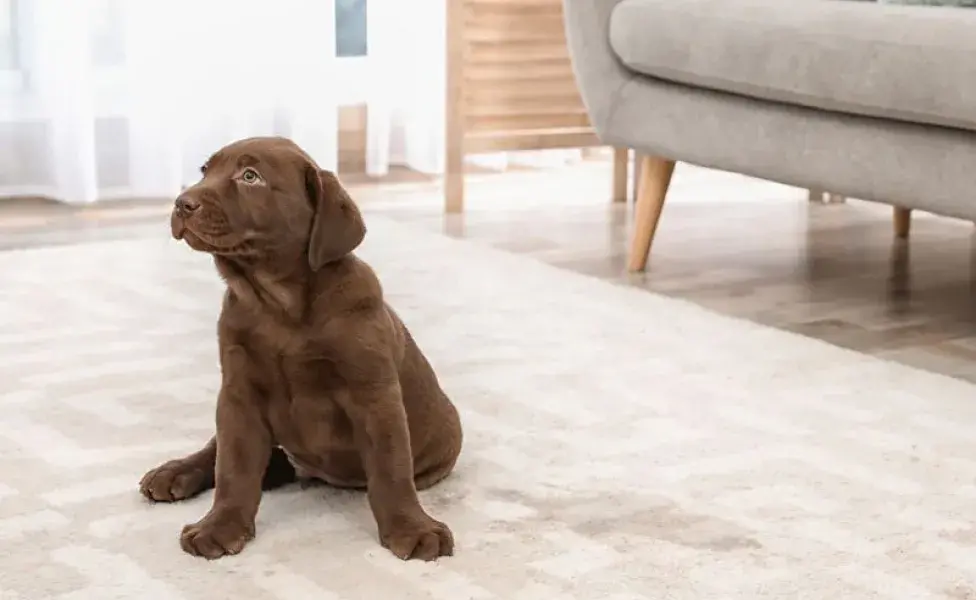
510, 85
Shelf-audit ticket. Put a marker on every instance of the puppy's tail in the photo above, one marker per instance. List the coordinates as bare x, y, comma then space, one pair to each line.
280, 471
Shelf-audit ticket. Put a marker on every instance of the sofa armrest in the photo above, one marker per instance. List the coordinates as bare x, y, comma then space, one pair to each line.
599, 73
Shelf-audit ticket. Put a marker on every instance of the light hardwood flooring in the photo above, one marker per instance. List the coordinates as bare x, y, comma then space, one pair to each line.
738, 246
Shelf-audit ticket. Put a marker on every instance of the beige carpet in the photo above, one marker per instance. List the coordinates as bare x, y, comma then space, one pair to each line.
620, 445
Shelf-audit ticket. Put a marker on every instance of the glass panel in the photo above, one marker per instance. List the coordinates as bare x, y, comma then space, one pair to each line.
351, 27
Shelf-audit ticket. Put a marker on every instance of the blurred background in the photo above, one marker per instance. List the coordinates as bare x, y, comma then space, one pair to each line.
113, 99
460, 116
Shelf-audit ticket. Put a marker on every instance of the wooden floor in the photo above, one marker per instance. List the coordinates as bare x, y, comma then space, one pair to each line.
738, 246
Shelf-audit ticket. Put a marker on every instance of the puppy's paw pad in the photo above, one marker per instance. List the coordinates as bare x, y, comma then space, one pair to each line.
424, 539
173, 481
216, 535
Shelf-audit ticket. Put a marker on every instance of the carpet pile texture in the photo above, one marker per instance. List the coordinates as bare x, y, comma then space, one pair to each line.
619, 445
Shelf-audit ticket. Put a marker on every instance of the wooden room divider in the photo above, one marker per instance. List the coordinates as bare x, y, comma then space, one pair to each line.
510, 86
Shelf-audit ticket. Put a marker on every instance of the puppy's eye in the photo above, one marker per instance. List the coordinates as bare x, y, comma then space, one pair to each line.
250, 176
203, 169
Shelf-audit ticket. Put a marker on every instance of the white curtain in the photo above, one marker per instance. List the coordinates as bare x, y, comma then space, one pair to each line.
103, 99
406, 90
406, 95
126, 98
407, 44
106, 99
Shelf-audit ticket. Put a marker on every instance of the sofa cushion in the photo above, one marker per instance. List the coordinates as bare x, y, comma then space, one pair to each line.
909, 63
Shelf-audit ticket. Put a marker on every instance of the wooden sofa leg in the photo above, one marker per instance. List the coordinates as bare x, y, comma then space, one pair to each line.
903, 221
655, 177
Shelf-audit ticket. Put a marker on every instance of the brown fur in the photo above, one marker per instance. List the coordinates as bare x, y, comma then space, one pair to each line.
318, 372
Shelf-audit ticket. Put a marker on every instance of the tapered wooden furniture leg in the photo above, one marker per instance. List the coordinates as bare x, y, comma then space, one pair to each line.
903, 221
621, 157
653, 188
635, 179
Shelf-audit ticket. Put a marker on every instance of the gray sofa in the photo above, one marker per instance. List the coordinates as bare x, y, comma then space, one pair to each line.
872, 101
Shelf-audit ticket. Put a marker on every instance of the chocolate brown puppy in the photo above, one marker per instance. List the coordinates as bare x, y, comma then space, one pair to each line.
320, 377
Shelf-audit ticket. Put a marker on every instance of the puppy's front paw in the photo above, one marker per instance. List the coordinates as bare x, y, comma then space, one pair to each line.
175, 480
422, 538
220, 533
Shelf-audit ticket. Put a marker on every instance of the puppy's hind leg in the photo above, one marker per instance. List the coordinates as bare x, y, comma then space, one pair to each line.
183, 478
430, 477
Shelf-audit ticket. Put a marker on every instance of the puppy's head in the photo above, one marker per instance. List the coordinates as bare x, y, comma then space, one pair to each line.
265, 200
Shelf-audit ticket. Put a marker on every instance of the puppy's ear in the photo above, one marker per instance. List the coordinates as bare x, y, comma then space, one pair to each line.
337, 225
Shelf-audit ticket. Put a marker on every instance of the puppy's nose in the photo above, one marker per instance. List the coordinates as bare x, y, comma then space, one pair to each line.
186, 205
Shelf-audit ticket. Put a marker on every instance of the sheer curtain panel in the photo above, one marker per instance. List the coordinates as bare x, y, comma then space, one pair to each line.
104, 99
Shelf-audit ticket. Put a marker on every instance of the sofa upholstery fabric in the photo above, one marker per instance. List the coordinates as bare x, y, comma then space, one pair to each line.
902, 63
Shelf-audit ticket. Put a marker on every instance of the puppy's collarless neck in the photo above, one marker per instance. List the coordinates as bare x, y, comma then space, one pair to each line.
283, 293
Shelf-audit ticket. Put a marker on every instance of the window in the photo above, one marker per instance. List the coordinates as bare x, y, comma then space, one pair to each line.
350, 28
354, 69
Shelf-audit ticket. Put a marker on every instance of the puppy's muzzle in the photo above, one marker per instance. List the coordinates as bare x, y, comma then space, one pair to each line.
186, 206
